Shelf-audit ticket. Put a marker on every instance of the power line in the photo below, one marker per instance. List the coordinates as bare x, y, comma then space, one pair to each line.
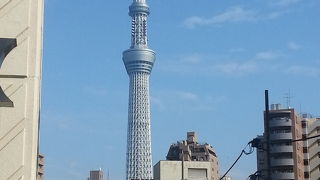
257, 143
242, 152
307, 138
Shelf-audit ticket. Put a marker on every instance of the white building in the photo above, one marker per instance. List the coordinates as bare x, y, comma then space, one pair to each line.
178, 170
21, 24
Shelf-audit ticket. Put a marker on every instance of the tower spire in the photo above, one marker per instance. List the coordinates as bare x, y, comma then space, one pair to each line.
139, 11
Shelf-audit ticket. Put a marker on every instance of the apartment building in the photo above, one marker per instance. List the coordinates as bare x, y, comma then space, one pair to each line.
286, 157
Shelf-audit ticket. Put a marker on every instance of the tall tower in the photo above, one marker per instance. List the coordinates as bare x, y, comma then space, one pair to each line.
139, 60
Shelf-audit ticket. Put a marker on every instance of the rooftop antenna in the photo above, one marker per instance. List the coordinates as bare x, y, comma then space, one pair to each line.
301, 109
288, 98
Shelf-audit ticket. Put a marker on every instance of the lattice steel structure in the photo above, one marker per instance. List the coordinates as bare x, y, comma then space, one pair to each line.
139, 60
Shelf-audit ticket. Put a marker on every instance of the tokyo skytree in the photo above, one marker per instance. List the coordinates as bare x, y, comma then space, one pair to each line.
139, 60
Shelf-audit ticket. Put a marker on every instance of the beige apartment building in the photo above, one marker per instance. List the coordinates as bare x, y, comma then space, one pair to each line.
311, 149
190, 160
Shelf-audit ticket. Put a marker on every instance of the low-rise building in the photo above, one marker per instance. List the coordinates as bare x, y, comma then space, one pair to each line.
96, 175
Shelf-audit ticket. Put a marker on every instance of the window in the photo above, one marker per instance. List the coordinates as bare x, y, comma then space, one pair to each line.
306, 162
6, 46
305, 150
197, 173
304, 124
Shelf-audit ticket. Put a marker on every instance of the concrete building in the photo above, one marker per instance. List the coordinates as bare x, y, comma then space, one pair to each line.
188, 160
178, 170
96, 175
21, 25
139, 60
286, 157
311, 149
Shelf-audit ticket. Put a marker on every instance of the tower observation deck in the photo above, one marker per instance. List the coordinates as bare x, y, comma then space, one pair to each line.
139, 60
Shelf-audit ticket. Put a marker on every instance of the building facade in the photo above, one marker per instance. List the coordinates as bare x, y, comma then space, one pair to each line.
139, 60
21, 24
286, 156
311, 149
188, 160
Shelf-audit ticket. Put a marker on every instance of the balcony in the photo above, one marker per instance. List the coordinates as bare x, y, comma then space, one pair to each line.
283, 175
280, 122
279, 136
281, 149
282, 162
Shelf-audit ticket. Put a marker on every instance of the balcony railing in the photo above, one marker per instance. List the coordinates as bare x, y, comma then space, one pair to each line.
282, 162
277, 136
281, 148
280, 122
283, 175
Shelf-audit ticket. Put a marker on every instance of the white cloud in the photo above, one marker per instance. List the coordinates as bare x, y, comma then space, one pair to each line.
192, 59
284, 2
276, 14
181, 100
294, 46
266, 55
304, 70
232, 15
187, 96
239, 14
236, 69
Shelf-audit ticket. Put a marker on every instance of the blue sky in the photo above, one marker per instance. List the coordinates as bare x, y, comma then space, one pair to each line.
214, 61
